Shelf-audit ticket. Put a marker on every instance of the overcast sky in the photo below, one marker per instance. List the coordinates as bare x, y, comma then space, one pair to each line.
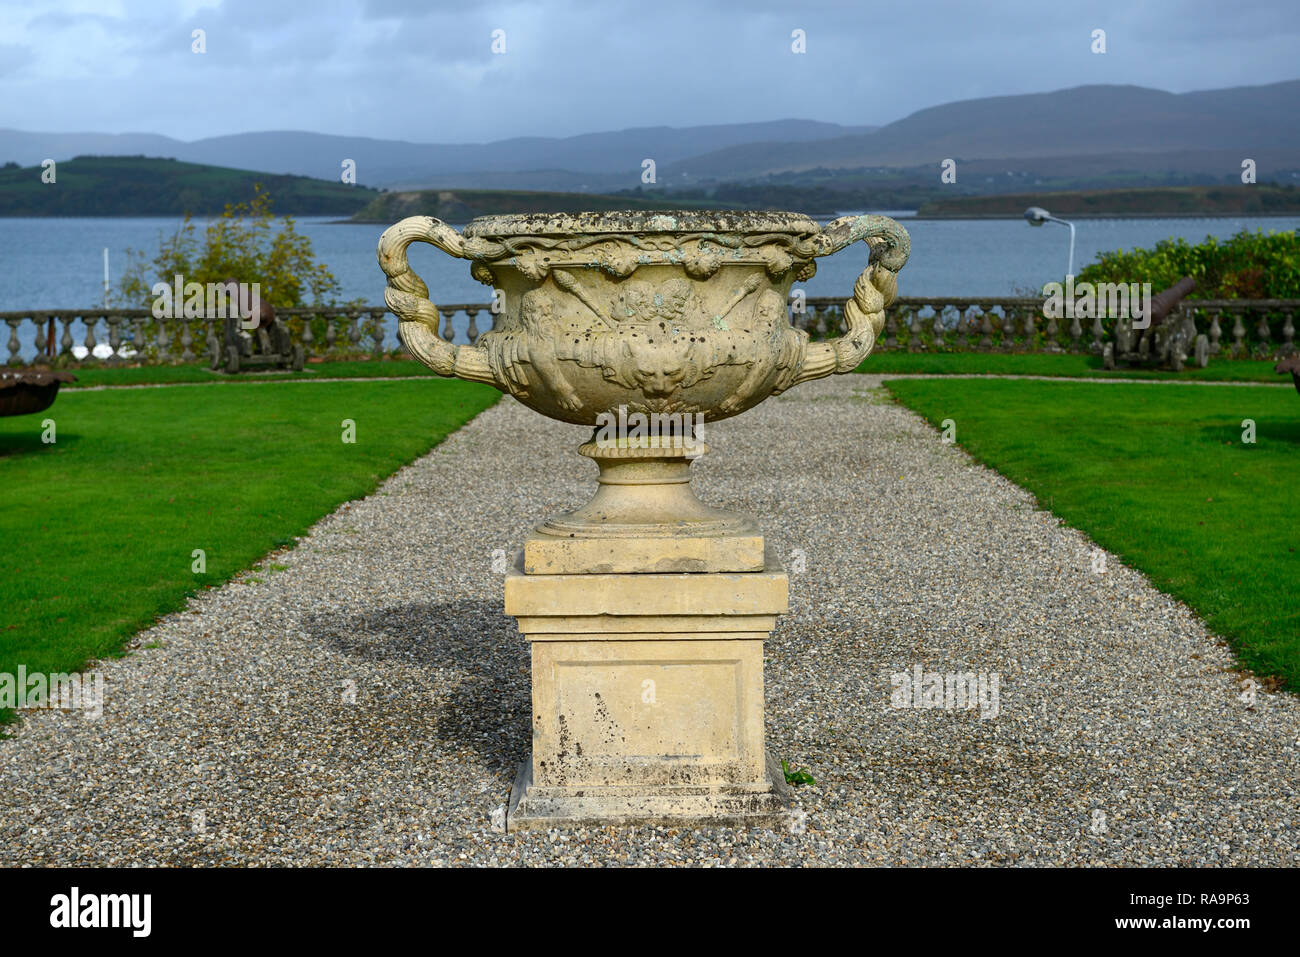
425, 71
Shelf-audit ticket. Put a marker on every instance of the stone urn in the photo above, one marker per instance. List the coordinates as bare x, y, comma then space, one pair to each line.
646, 608
663, 320
25, 391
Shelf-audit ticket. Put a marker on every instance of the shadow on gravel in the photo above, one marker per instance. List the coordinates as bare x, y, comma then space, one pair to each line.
486, 708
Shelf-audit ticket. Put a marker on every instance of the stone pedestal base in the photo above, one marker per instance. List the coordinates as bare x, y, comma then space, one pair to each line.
537, 808
647, 697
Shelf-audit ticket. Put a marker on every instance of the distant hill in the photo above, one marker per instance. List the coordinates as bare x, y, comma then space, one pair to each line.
614, 157
462, 205
1065, 123
1086, 137
138, 186
1259, 199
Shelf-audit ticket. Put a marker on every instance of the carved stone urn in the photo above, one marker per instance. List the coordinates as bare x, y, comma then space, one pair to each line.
646, 608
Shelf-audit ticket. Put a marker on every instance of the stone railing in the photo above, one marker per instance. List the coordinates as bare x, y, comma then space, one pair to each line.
1258, 328
1240, 328
943, 324
1255, 328
70, 337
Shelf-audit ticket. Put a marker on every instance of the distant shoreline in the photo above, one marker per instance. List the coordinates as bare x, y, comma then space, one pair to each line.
901, 214
1016, 216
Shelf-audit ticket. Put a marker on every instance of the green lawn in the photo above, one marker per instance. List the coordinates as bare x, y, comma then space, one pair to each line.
159, 375
99, 528
968, 363
1072, 366
1159, 476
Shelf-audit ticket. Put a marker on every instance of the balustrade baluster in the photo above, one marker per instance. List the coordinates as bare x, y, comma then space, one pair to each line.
331, 337
1238, 336
377, 333
448, 331
89, 342
1029, 323
1264, 346
986, 331
1007, 327
308, 337
1288, 336
66, 343
1098, 334
214, 335
40, 338
354, 332
13, 342
1216, 333
164, 341
891, 329
472, 330
137, 339
1076, 335
114, 335
1052, 336
187, 341
914, 343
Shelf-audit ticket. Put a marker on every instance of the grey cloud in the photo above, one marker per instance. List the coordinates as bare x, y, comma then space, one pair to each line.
425, 72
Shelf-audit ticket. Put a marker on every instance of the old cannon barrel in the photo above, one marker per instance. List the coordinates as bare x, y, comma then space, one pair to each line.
1163, 303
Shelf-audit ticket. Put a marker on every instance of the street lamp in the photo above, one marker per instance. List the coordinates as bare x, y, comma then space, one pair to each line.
1036, 216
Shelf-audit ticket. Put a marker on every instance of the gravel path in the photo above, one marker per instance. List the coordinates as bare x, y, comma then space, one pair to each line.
1121, 736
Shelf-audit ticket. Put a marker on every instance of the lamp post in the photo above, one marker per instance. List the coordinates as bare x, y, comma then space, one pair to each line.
1036, 216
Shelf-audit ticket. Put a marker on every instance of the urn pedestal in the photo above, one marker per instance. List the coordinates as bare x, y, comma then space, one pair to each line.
647, 698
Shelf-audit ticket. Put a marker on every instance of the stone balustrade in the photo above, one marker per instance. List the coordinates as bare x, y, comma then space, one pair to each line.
73, 337
1236, 328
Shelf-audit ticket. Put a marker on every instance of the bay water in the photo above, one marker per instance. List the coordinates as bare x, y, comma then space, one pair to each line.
57, 263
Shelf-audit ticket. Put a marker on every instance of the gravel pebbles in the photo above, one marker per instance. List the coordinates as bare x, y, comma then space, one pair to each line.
369, 704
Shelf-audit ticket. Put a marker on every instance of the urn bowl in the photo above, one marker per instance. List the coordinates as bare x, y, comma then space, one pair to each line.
606, 313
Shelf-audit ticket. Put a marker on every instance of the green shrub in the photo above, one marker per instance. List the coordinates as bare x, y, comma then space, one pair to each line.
1250, 265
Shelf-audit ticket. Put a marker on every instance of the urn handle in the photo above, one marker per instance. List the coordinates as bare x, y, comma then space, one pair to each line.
875, 289
408, 297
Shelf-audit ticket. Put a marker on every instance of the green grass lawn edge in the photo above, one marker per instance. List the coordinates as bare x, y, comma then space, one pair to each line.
137, 471
1063, 365
1140, 491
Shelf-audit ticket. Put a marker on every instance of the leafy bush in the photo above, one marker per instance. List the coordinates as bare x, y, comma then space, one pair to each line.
1250, 265
245, 243
242, 242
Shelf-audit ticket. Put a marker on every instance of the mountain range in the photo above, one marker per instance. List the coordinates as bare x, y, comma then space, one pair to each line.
1090, 133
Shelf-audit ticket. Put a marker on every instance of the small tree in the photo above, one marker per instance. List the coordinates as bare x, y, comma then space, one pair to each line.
242, 242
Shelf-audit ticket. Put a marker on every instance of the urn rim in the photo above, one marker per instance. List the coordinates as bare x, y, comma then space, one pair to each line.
641, 221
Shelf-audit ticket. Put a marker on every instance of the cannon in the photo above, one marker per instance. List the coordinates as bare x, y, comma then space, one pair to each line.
267, 343
1291, 364
1169, 340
